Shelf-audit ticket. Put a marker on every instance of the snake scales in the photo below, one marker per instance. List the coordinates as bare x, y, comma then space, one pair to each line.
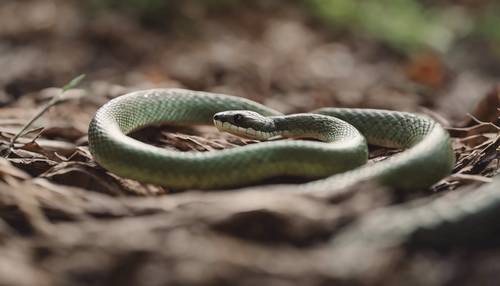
443, 223
428, 156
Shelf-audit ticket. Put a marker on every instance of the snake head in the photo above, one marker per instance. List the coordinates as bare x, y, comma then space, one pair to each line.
245, 123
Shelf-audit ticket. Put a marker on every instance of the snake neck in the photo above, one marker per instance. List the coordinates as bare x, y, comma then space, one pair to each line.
314, 126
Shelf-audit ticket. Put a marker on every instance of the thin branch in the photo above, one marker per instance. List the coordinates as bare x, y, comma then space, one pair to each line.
479, 122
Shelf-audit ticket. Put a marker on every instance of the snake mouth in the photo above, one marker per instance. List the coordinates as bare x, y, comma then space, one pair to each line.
249, 132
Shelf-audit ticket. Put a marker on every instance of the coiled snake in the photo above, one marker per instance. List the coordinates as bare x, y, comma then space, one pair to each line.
338, 160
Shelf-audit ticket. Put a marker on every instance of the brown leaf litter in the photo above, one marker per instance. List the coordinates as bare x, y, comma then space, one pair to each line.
66, 221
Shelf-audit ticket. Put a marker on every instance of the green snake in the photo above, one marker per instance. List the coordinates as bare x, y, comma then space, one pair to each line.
336, 158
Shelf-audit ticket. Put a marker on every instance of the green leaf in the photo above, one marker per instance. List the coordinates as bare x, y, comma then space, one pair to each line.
73, 83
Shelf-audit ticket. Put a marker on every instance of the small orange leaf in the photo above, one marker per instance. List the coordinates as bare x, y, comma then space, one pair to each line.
427, 69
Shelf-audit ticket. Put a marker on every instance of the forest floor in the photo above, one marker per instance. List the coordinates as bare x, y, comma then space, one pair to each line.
64, 220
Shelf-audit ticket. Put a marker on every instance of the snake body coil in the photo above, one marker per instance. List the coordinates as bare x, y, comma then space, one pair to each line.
429, 156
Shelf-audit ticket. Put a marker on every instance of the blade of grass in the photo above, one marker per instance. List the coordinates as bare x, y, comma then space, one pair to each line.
54, 101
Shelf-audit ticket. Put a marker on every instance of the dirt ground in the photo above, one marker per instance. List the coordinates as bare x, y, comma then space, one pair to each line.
66, 221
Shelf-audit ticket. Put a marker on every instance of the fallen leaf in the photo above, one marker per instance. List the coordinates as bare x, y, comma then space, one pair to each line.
7, 169
487, 110
427, 69
83, 175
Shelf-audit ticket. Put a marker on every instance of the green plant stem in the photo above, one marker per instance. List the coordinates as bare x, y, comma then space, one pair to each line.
54, 101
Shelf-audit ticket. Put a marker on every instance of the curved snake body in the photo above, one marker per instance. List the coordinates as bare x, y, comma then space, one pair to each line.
429, 156
464, 220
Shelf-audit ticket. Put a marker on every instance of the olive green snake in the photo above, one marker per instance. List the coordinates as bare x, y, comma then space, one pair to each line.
335, 159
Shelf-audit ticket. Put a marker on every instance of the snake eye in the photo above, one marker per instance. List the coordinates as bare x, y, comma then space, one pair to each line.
237, 118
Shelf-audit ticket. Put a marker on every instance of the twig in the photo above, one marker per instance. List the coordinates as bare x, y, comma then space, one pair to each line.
54, 101
471, 177
479, 122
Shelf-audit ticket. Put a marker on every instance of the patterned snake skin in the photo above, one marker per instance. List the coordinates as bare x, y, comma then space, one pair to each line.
428, 157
